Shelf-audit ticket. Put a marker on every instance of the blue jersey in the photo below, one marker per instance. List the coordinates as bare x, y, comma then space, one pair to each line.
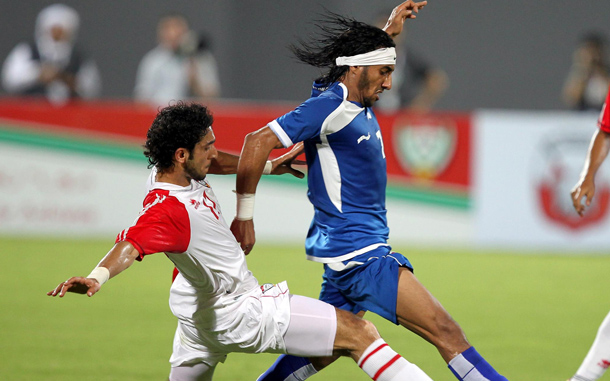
346, 173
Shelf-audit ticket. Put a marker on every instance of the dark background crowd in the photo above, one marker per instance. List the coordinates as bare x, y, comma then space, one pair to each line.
510, 55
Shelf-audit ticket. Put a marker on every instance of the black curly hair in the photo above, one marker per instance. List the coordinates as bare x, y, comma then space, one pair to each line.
181, 125
339, 36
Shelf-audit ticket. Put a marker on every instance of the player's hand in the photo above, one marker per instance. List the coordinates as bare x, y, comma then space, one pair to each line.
78, 285
284, 163
585, 188
244, 234
406, 10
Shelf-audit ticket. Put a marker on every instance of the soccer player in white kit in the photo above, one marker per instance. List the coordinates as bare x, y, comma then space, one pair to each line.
220, 305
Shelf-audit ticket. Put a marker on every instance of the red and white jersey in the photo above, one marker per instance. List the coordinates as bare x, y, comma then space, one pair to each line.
186, 223
604, 117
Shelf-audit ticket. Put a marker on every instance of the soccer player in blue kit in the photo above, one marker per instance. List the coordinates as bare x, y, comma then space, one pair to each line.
346, 185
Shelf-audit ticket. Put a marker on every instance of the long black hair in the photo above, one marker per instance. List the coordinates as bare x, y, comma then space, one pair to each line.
339, 36
181, 125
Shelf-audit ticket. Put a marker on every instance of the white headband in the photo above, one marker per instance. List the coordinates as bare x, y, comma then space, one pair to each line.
384, 56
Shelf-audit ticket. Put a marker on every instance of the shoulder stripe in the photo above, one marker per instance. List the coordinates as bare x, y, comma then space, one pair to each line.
280, 133
341, 116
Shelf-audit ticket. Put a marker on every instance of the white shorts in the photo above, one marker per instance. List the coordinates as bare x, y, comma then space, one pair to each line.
255, 323
266, 320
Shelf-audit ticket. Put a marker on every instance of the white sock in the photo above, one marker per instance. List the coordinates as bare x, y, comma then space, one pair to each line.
598, 358
381, 363
302, 374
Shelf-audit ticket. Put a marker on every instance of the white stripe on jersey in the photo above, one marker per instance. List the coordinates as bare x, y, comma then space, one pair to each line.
335, 122
158, 200
330, 172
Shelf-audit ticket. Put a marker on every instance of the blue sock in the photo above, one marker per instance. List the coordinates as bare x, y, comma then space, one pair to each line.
471, 366
285, 366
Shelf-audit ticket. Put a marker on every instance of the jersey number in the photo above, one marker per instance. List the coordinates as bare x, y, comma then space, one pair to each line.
210, 205
378, 134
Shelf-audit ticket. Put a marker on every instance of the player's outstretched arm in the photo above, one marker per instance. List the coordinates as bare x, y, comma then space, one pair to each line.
224, 164
119, 258
585, 187
257, 147
406, 10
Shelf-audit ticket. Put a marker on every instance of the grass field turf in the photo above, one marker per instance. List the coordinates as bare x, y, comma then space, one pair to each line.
532, 317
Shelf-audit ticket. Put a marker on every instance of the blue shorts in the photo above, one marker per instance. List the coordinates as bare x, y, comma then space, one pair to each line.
372, 286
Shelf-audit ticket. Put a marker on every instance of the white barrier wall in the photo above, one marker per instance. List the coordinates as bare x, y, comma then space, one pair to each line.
65, 193
68, 193
53, 192
525, 164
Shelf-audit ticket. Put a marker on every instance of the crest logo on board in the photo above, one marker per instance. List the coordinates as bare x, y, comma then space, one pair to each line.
425, 146
559, 163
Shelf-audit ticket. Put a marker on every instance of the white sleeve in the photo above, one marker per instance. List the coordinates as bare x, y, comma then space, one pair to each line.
20, 72
280, 133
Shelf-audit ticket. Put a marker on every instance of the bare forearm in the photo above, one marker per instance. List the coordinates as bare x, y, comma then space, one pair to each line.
225, 164
119, 258
598, 151
257, 147
255, 152
399, 14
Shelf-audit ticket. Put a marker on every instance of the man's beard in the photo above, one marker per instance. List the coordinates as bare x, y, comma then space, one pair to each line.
363, 83
192, 172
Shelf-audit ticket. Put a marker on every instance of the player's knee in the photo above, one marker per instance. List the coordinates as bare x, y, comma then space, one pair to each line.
353, 332
369, 330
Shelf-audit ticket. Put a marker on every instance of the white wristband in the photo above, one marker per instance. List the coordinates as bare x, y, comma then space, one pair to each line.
268, 167
101, 274
245, 206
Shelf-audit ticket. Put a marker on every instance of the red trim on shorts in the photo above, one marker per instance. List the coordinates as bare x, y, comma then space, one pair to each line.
372, 353
275, 296
386, 366
269, 296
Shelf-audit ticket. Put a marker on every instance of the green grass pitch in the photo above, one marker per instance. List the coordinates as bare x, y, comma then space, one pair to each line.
532, 316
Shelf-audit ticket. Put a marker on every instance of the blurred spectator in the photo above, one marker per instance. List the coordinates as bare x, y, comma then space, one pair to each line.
180, 67
587, 83
52, 65
416, 83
